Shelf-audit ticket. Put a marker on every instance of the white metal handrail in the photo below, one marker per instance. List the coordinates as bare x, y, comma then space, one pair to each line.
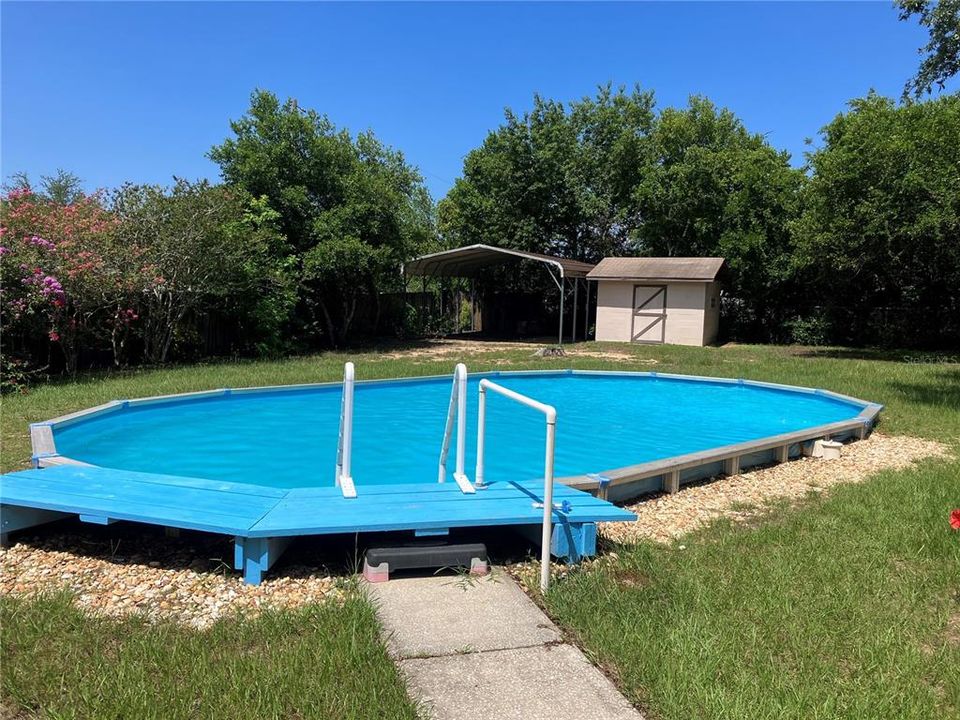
344, 479
551, 416
458, 407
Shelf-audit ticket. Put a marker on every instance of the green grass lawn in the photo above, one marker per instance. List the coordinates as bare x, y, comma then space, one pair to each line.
846, 607
324, 661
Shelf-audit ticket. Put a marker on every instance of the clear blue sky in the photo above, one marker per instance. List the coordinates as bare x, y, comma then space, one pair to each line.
125, 91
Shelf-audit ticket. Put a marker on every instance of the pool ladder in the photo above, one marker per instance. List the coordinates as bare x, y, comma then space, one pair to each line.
456, 410
550, 416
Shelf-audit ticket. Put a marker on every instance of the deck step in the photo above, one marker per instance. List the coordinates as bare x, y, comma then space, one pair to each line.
380, 562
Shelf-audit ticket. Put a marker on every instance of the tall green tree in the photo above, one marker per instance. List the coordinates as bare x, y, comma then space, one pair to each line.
195, 247
557, 179
716, 189
881, 222
351, 208
942, 61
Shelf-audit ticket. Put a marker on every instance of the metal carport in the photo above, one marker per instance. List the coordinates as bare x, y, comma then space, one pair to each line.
469, 260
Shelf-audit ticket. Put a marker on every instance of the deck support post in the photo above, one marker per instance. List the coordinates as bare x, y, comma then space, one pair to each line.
574, 541
731, 466
781, 454
257, 555
671, 482
569, 541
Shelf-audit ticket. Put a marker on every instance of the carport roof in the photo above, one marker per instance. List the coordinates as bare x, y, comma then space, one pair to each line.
467, 261
677, 269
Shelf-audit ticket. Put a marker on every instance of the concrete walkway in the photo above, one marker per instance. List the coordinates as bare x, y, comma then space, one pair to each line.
472, 649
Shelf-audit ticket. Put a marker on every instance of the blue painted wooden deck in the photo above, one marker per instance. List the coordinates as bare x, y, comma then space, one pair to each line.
263, 519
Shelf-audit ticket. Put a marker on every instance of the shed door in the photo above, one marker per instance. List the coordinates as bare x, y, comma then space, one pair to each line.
649, 313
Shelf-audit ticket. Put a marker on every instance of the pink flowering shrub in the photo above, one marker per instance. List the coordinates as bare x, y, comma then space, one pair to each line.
58, 280
79, 280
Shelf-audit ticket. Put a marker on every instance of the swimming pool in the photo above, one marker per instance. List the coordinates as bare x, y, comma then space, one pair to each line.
257, 464
287, 438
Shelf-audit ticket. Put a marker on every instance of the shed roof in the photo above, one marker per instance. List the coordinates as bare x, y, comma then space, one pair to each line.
467, 261
677, 269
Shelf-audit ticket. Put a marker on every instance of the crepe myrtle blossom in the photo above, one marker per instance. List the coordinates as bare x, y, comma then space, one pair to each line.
49, 285
40, 242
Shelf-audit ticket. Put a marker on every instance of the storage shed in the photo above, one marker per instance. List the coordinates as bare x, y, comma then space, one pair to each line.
675, 301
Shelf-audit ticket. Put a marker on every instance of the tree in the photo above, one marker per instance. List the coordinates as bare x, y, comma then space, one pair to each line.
556, 180
607, 176
194, 247
881, 222
351, 209
942, 61
62, 188
715, 189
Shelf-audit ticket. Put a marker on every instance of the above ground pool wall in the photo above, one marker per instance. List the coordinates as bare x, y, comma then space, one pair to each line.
671, 474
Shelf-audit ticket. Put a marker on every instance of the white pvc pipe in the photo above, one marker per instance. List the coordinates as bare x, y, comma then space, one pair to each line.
460, 378
551, 417
344, 479
458, 405
481, 434
546, 536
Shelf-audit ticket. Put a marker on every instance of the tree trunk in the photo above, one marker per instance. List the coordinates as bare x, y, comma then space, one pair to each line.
328, 321
349, 310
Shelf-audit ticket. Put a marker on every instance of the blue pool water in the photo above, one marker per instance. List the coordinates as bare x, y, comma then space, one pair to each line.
289, 439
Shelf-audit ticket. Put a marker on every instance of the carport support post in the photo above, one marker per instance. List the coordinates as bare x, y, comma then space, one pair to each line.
586, 309
573, 331
473, 304
423, 299
562, 283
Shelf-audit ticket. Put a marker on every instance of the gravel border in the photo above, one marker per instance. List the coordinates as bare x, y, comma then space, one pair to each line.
189, 580
663, 517
138, 571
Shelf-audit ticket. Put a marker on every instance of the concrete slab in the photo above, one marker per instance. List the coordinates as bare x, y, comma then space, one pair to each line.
548, 682
449, 615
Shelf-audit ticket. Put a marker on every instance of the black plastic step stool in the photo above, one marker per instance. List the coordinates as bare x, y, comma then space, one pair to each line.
380, 562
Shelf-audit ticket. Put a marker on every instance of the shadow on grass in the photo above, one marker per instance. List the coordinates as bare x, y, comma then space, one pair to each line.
943, 391
919, 357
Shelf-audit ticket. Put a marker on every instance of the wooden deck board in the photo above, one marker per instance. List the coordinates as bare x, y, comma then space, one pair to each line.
259, 511
135, 494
